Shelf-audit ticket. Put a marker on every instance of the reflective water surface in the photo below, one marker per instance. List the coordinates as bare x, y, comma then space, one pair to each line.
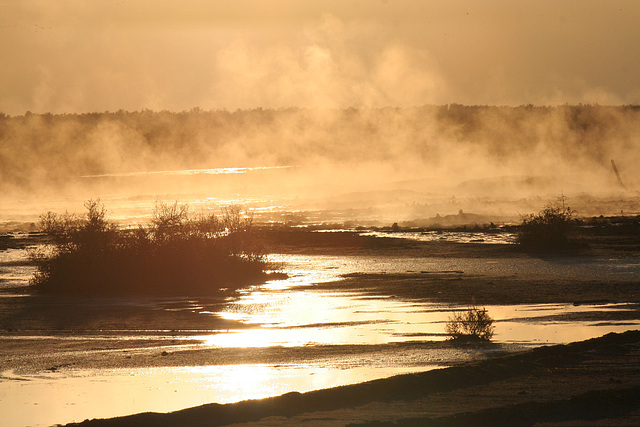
496, 236
283, 314
86, 394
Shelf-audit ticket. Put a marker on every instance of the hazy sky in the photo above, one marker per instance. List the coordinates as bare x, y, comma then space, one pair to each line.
84, 55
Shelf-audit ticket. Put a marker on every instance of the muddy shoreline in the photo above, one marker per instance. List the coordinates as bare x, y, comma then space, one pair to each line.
597, 381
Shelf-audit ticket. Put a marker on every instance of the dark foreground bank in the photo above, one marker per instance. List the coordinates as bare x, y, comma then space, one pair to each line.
597, 381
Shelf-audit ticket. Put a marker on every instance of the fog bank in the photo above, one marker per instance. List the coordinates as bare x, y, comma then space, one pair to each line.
399, 155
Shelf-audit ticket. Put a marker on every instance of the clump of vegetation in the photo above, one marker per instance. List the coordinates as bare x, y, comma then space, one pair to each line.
552, 229
177, 253
471, 324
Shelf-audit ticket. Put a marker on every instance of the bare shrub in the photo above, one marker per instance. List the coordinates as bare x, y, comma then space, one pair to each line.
474, 323
234, 220
175, 254
552, 229
167, 219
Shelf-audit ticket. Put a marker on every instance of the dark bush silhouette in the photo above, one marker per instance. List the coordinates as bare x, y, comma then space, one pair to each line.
473, 323
552, 229
177, 254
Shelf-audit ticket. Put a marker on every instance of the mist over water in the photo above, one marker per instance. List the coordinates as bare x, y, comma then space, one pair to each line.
330, 113
395, 163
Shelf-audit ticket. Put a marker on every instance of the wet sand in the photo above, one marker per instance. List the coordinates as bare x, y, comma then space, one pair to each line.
595, 381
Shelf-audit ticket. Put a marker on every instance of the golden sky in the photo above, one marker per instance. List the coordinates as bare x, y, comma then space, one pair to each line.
83, 55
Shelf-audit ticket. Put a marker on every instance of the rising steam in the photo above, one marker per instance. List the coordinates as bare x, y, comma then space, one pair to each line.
403, 155
351, 105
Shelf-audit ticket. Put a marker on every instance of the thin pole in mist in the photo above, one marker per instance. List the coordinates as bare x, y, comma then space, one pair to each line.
615, 169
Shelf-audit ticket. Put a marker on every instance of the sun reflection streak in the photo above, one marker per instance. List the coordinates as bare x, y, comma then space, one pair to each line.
290, 318
165, 389
294, 318
258, 338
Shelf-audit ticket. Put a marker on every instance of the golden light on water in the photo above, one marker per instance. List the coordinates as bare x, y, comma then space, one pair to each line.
293, 318
82, 394
324, 114
286, 314
188, 172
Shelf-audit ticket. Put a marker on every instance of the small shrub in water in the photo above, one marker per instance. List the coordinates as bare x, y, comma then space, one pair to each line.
473, 323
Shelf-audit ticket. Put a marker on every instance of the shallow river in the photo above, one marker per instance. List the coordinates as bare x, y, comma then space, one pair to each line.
280, 314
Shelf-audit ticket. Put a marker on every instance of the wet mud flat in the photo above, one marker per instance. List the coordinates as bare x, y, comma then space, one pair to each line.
604, 268
44, 333
595, 381
442, 272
